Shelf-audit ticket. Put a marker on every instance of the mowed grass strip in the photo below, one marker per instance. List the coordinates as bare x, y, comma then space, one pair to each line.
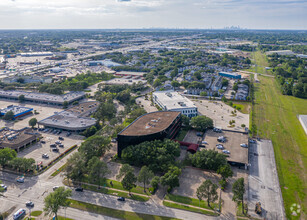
114, 212
58, 170
187, 208
276, 119
36, 213
190, 201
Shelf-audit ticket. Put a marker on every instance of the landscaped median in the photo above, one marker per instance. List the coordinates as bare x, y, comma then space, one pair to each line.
190, 204
114, 213
116, 190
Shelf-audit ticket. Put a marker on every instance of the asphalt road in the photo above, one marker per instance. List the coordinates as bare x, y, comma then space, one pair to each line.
263, 181
36, 188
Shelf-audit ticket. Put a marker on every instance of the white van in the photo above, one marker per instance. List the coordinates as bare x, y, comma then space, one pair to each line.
19, 214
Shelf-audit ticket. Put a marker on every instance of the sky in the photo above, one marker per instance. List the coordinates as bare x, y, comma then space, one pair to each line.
126, 14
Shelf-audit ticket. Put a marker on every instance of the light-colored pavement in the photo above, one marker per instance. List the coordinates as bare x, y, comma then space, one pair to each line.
221, 114
263, 181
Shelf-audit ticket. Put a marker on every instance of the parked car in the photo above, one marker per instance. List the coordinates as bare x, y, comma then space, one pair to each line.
20, 180
113, 140
121, 199
61, 138
220, 147
55, 187
252, 141
55, 149
199, 134
19, 214
43, 142
4, 187
29, 204
204, 142
68, 134
218, 130
45, 156
226, 151
79, 189
61, 145
52, 145
221, 139
244, 145
58, 142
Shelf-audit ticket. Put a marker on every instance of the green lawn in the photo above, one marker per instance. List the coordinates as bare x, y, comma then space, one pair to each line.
276, 118
114, 213
36, 213
191, 209
261, 61
58, 170
190, 201
117, 185
116, 193
63, 218
244, 107
181, 134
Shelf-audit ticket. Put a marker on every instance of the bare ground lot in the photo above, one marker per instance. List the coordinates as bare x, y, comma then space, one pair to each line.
221, 114
146, 104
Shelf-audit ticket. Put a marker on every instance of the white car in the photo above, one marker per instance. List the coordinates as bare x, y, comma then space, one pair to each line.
226, 151
204, 142
220, 146
244, 145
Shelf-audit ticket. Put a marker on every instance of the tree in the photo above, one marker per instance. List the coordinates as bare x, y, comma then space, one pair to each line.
95, 146
126, 168
105, 111
32, 122
145, 175
203, 94
75, 167
238, 189
225, 172
20, 80
9, 116
175, 84
56, 200
185, 120
208, 159
171, 178
21, 98
155, 182
6, 155
65, 104
201, 123
129, 181
208, 191
97, 170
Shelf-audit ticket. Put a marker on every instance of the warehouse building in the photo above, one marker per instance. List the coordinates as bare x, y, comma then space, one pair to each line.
17, 139
173, 101
74, 119
19, 111
230, 75
149, 127
43, 98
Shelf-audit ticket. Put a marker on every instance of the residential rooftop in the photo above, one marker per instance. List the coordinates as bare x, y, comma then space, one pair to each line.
150, 123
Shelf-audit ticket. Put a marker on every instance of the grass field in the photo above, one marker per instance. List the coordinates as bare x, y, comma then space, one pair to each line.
181, 134
36, 213
191, 209
114, 212
276, 119
58, 170
261, 62
190, 201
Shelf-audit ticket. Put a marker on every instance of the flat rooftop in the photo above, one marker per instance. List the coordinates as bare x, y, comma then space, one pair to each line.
16, 138
230, 73
83, 108
130, 73
15, 109
150, 123
173, 100
233, 140
67, 120
34, 96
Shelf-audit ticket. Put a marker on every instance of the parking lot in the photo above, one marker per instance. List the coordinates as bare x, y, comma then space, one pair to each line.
37, 150
263, 182
43, 110
221, 114
237, 154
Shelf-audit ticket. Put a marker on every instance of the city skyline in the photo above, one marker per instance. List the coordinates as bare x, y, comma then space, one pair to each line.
136, 14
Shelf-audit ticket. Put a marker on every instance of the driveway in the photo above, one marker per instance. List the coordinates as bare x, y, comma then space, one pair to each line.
263, 181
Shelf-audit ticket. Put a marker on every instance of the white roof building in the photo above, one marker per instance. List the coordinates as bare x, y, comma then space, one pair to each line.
173, 101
